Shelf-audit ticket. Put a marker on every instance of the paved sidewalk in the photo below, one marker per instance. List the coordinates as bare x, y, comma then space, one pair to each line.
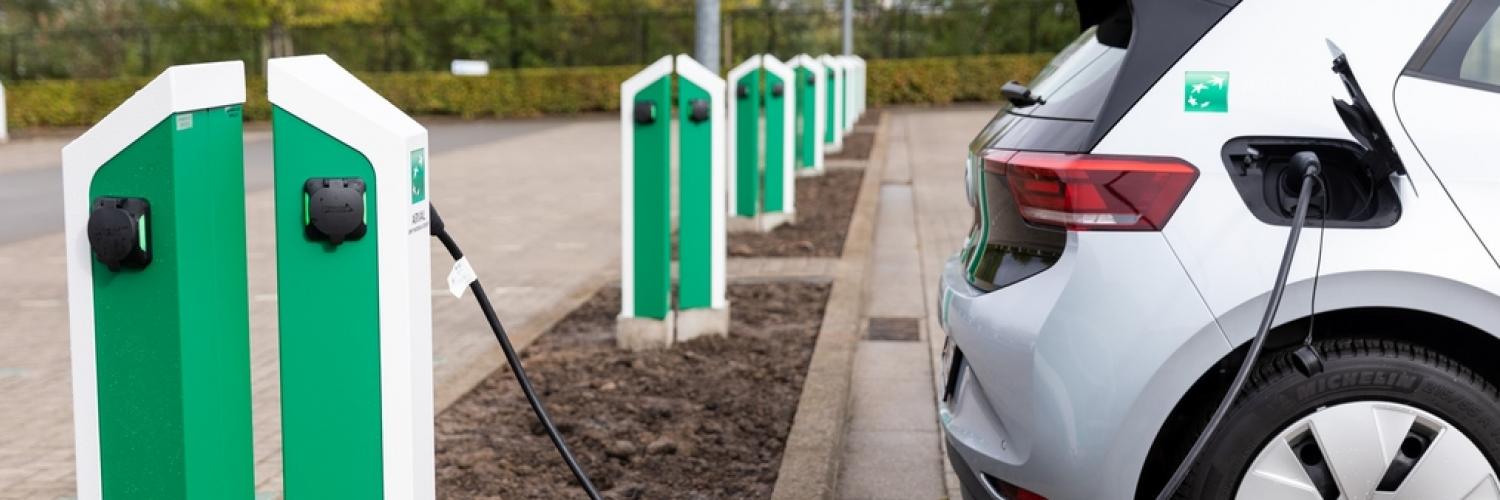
894, 446
532, 202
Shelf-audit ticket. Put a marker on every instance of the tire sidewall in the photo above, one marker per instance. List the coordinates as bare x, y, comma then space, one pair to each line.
1287, 396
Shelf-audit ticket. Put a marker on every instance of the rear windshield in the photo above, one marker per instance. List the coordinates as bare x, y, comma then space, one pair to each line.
1076, 82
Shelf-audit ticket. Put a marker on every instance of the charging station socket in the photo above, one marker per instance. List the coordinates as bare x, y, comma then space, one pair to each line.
334, 209
119, 233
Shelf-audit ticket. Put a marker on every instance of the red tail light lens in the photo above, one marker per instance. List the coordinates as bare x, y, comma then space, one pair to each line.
1011, 491
1083, 192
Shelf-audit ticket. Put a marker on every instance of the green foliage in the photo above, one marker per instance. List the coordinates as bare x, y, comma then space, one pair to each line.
944, 80
504, 94
59, 39
43, 103
530, 92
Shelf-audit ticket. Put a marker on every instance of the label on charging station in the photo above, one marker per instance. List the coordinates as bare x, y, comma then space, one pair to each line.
460, 277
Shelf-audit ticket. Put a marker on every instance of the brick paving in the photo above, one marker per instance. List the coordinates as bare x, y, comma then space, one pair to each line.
894, 447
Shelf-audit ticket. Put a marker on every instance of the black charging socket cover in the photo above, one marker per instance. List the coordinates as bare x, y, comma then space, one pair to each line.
645, 112
335, 209
115, 232
699, 110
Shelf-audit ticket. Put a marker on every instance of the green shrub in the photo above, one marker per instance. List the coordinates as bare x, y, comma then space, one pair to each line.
65, 102
944, 80
528, 92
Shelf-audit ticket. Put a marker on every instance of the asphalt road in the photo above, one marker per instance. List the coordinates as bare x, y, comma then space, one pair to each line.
30, 194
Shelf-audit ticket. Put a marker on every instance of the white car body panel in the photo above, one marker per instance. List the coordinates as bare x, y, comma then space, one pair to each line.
1463, 155
1232, 256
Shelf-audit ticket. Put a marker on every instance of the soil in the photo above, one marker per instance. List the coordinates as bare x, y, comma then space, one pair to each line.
824, 206
705, 419
858, 144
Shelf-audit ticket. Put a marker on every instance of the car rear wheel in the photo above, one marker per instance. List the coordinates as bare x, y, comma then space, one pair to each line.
1383, 419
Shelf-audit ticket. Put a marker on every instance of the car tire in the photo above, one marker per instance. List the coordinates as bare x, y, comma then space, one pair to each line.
1278, 395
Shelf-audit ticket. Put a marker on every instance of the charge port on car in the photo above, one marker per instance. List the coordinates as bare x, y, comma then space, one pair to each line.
1260, 168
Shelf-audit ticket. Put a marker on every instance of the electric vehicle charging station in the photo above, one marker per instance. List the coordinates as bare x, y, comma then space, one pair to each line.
646, 320
157, 292
702, 307
811, 108
854, 90
779, 206
749, 147
355, 313
744, 143
862, 98
4, 128
849, 115
833, 132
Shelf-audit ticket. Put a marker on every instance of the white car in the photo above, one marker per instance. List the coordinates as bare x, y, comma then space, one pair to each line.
1131, 210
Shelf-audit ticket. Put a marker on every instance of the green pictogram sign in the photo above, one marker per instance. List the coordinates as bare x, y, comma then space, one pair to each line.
418, 175
1205, 92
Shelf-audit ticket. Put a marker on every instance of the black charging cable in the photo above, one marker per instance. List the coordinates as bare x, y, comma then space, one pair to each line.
1310, 167
513, 360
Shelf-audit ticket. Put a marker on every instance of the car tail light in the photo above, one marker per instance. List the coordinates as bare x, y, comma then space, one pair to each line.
1082, 192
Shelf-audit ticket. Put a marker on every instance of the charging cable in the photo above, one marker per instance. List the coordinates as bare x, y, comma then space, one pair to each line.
513, 360
1309, 166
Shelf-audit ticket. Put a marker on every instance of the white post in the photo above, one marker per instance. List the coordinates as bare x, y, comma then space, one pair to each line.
834, 138
646, 319
863, 90
4, 132
334, 133
854, 71
814, 142
702, 308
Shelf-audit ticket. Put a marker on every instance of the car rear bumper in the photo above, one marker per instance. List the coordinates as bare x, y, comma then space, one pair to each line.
1068, 375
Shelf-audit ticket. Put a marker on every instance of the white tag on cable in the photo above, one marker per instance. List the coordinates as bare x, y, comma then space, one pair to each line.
460, 277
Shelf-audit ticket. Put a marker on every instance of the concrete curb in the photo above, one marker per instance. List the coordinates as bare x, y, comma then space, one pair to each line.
815, 445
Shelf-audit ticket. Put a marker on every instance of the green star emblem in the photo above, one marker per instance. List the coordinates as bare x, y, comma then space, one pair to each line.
418, 175
1205, 92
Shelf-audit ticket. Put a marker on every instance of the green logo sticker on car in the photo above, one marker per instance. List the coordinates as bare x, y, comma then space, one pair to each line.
1205, 92
418, 175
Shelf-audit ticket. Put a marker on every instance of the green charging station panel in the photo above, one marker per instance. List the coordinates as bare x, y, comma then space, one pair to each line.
780, 110
762, 106
353, 285
646, 162
155, 228
745, 103
701, 196
330, 333
811, 111
833, 131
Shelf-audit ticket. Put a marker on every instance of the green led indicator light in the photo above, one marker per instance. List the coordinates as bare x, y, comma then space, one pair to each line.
141, 233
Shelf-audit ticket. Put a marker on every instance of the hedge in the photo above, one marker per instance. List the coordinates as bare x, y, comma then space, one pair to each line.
948, 79
529, 92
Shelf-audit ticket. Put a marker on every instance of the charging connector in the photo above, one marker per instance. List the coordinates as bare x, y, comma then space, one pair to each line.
1308, 166
440, 231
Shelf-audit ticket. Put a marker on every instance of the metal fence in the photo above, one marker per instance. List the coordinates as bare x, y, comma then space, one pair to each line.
1003, 26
